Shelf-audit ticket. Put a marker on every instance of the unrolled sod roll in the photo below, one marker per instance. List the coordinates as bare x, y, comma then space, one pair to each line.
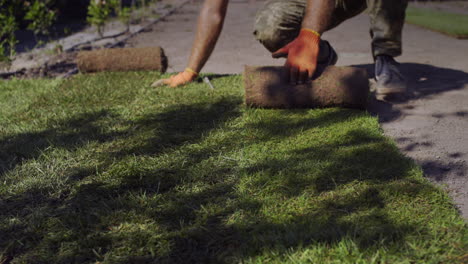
268, 87
122, 59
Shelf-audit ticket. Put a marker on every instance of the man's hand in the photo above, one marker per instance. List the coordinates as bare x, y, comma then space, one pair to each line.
302, 56
179, 79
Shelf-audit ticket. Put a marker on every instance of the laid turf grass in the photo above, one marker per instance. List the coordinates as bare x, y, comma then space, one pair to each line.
455, 25
103, 168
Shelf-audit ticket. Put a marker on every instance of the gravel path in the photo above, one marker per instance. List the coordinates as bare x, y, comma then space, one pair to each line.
430, 125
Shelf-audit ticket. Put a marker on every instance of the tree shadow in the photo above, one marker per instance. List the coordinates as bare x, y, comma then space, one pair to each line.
178, 125
181, 124
370, 159
68, 134
196, 223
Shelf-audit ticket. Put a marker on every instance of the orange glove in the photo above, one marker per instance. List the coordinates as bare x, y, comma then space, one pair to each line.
302, 56
179, 79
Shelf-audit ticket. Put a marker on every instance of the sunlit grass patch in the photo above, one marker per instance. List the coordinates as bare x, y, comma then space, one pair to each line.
104, 168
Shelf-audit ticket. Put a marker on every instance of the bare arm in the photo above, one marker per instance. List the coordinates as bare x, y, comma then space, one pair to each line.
318, 15
210, 23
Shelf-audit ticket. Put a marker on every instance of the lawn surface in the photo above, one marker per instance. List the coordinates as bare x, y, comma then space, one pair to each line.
455, 25
103, 168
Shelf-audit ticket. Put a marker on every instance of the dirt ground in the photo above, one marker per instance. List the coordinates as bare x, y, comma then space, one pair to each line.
429, 125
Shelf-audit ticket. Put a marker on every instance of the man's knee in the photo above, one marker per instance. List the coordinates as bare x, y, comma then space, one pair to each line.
271, 37
278, 23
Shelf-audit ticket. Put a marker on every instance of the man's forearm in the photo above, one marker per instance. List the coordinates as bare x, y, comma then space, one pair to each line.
318, 15
210, 23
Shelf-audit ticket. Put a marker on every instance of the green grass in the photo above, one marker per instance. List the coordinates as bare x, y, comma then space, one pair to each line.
103, 168
455, 25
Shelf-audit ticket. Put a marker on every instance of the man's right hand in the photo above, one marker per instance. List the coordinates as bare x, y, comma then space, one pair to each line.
302, 54
178, 79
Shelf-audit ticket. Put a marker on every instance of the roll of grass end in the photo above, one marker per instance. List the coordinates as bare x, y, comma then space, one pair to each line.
268, 87
123, 59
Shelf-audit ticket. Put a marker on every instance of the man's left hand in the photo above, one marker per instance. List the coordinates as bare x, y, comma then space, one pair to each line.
178, 79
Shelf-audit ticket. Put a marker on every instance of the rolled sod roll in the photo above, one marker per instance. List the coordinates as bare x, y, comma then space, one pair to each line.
122, 59
268, 87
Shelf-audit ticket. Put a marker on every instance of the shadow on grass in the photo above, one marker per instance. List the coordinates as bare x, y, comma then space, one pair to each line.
69, 134
180, 124
194, 223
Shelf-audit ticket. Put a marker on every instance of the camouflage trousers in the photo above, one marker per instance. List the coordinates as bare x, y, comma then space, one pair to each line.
279, 22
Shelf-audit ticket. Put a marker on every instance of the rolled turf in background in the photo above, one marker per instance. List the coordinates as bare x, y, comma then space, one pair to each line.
268, 87
122, 59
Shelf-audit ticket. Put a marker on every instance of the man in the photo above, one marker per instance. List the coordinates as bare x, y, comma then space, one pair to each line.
292, 29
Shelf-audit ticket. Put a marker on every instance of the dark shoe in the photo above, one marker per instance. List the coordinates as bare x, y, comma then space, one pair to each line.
326, 58
389, 78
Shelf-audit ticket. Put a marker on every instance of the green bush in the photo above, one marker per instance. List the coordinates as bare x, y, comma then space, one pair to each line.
98, 13
38, 16
41, 18
8, 26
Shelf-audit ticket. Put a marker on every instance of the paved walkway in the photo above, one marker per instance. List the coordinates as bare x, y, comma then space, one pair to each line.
430, 126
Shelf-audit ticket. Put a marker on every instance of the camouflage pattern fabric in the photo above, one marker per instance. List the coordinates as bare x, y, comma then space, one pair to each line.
279, 22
